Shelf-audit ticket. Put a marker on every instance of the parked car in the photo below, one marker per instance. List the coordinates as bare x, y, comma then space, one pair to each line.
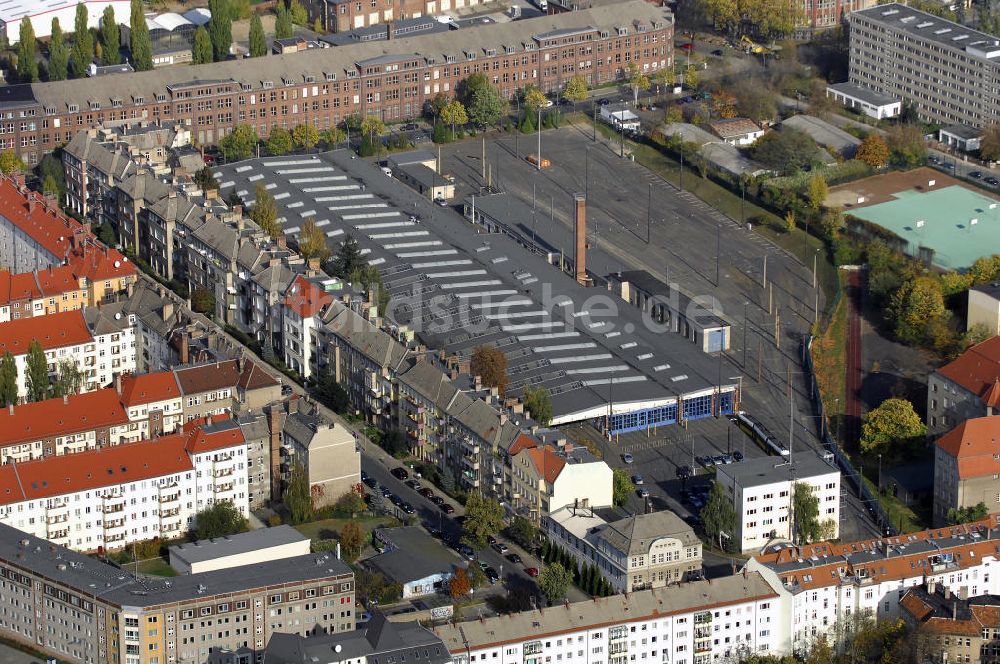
370, 481
406, 507
432, 531
426, 492
399, 473
466, 551
385, 492
643, 492
992, 181
717, 52
409, 126
514, 558
441, 201
637, 480
492, 575
395, 500
437, 500
738, 456
531, 571
627, 458
501, 548
447, 509
286, 390
413, 484
491, 540
684, 472
976, 175
483, 565
603, 102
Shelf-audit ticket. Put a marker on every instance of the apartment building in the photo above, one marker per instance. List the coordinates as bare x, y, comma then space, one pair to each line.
347, 15
967, 387
43, 292
110, 497
324, 86
763, 491
700, 622
946, 70
545, 478
952, 628
328, 451
828, 15
99, 354
966, 467
154, 400
303, 305
214, 388
86, 611
635, 553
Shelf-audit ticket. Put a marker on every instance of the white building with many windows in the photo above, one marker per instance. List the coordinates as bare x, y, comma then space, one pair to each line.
763, 490
108, 498
822, 586
700, 622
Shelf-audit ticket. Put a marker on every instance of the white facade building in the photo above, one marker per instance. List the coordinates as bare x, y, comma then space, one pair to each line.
763, 490
41, 15
111, 497
822, 585
303, 305
700, 622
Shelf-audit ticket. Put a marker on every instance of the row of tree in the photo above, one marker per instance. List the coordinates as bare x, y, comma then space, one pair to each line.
67, 60
39, 384
588, 578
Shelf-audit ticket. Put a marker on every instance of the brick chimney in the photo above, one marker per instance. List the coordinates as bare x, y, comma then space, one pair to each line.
184, 352
580, 230
390, 30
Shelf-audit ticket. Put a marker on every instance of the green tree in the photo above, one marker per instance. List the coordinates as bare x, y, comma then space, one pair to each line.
691, 77
538, 403
258, 42
111, 38
239, 143
220, 28
490, 364
816, 191
351, 503
283, 22
332, 137
621, 486
58, 53
205, 179
351, 541
139, 42
719, 516
297, 496
10, 162
786, 151
724, 14
960, 515
298, 13
306, 136
8, 380
312, 242
265, 211
203, 301
27, 53
532, 99
917, 302
83, 42
576, 88
454, 114
486, 106
201, 50
522, 531
554, 581
239, 10
219, 520
331, 394
36, 373
279, 141
907, 148
873, 151
637, 80
893, 421
805, 513
483, 517
348, 260
68, 381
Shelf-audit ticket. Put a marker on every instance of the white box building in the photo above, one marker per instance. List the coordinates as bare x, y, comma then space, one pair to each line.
762, 492
42, 13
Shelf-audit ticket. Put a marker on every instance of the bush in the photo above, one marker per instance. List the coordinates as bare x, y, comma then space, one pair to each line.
274, 520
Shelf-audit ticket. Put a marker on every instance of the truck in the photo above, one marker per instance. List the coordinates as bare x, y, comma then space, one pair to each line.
515, 12
543, 5
533, 160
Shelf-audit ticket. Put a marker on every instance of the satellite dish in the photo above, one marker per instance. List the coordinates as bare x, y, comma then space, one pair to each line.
338, 648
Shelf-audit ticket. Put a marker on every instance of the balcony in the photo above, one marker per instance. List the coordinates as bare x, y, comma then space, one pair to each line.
56, 518
224, 488
111, 524
166, 514
470, 463
225, 472
55, 536
170, 498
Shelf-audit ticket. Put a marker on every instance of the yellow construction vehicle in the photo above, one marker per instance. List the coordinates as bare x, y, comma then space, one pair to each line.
750, 46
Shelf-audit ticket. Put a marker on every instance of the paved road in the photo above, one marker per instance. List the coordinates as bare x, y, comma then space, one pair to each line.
10, 655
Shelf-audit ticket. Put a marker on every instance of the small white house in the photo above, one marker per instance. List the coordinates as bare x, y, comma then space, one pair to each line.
961, 137
869, 102
620, 118
737, 131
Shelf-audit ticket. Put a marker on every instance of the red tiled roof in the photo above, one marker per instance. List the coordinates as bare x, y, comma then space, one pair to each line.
199, 441
546, 462
110, 466
977, 369
56, 280
523, 442
18, 287
98, 263
59, 417
49, 228
148, 388
67, 328
973, 443
734, 127
306, 298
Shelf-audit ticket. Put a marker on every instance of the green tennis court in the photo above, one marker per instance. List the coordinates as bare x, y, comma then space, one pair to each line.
959, 224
